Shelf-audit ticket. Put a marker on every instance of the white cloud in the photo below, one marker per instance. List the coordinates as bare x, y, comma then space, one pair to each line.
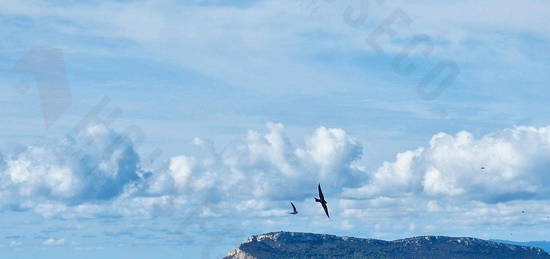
95, 165
332, 150
514, 162
98, 172
15, 243
265, 166
54, 242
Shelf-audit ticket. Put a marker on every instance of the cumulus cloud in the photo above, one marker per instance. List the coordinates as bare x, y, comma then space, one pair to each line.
98, 172
265, 166
515, 163
97, 164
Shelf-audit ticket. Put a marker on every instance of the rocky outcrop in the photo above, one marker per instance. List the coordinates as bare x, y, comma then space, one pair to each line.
306, 245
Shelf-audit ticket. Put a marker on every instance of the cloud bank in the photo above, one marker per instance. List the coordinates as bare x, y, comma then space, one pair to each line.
98, 172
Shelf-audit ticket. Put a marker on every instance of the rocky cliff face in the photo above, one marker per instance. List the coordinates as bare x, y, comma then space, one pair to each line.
305, 245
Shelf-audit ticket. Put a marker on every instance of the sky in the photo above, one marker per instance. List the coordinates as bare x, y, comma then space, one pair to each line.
133, 129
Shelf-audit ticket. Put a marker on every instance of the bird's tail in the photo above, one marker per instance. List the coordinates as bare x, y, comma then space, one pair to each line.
317, 200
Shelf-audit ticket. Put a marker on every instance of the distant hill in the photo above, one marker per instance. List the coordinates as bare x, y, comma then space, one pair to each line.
305, 245
540, 244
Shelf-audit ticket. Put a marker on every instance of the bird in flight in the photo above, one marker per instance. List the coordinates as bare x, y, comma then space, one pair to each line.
294, 211
322, 200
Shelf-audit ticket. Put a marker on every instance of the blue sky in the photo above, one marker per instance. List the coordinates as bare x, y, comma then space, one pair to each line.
249, 104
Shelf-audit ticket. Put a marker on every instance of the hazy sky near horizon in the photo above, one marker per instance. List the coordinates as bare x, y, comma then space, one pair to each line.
137, 128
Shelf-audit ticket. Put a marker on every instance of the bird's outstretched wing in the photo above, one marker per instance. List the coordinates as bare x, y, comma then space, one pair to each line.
321, 196
293, 207
326, 209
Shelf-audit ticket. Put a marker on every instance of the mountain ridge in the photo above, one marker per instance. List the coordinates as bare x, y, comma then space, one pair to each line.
308, 245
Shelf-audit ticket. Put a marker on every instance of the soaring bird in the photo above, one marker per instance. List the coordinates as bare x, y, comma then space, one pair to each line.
294, 211
322, 200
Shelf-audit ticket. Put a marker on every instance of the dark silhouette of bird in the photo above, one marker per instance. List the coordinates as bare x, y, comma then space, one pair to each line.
482, 168
522, 211
294, 211
322, 200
